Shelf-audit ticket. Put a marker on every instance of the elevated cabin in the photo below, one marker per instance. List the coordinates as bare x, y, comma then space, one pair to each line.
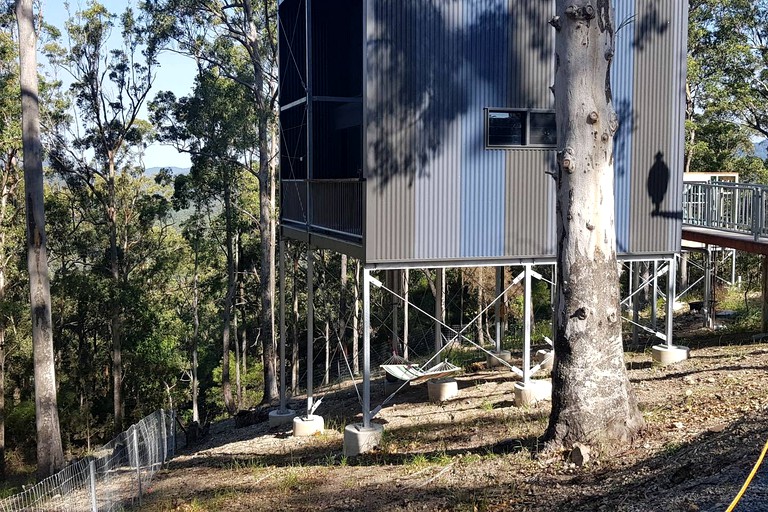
421, 132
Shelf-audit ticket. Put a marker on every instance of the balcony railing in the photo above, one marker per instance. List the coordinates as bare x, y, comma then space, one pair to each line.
337, 206
734, 207
330, 206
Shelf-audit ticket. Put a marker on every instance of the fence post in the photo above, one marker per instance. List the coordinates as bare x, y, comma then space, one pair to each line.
173, 433
757, 199
164, 436
92, 478
137, 458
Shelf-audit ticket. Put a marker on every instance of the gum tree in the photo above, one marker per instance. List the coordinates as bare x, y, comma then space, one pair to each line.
592, 401
50, 455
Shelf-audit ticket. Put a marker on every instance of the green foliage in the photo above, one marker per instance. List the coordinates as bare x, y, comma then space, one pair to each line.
20, 428
727, 72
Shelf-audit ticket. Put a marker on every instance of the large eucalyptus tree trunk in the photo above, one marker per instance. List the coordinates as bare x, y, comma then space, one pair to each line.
591, 397
50, 456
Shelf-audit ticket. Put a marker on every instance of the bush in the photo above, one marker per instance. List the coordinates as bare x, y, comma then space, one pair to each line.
20, 429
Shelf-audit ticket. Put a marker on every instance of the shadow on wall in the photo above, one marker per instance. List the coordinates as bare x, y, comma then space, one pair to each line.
650, 24
657, 186
425, 60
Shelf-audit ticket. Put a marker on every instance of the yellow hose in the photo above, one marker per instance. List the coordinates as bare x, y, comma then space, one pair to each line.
749, 479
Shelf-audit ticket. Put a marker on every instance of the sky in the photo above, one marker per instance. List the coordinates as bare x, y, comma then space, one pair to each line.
176, 73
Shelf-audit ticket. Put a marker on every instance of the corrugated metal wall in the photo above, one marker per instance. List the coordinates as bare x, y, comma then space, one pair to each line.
435, 194
433, 67
658, 102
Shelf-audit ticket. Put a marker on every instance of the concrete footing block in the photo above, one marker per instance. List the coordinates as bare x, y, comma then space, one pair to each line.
278, 417
491, 361
392, 386
534, 391
359, 439
441, 390
304, 426
669, 354
541, 356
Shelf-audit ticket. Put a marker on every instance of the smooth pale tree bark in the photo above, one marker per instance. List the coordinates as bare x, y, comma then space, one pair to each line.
592, 401
50, 456
226, 381
356, 321
295, 329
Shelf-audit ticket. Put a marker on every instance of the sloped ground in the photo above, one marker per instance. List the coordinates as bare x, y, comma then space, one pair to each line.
706, 426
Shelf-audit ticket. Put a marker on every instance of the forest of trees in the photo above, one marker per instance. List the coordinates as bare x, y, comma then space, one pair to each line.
163, 286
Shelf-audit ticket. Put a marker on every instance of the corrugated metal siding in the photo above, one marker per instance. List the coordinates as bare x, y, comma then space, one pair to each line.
433, 69
482, 171
622, 84
657, 153
531, 48
530, 206
435, 193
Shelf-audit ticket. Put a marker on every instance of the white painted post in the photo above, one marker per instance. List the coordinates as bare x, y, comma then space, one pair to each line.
527, 308
310, 325
708, 319
671, 292
164, 437
634, 271
137, 459
497, 306
407, 297
366, 347
173, 433
92, 484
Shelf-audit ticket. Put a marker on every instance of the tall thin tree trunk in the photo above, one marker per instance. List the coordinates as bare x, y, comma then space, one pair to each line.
243, 332
115, 316
356, 322
327, 334
592, 400
343, 307
196, 327
295, 330
236, 326
226, 384
480, 306
238, 379
50, 456
5, 193
689, 111
2, 398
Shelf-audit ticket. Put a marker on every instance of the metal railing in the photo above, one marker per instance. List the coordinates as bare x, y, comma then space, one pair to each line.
337, 206
115, 475
735, 207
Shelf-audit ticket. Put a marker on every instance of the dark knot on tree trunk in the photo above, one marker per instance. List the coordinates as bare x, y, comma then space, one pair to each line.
586, 12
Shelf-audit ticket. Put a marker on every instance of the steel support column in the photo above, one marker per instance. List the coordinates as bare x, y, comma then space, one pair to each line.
310, 325
281, 284
708, 318
527, 310
406, 296
671, 292
497, 305
366, 347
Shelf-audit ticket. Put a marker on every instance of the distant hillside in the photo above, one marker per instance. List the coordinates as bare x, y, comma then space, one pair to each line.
761, 149
151, 171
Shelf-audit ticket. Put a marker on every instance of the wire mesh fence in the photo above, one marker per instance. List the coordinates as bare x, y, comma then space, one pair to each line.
115, 475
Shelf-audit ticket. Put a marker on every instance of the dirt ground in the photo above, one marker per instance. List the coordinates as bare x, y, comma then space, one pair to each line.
706, 425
